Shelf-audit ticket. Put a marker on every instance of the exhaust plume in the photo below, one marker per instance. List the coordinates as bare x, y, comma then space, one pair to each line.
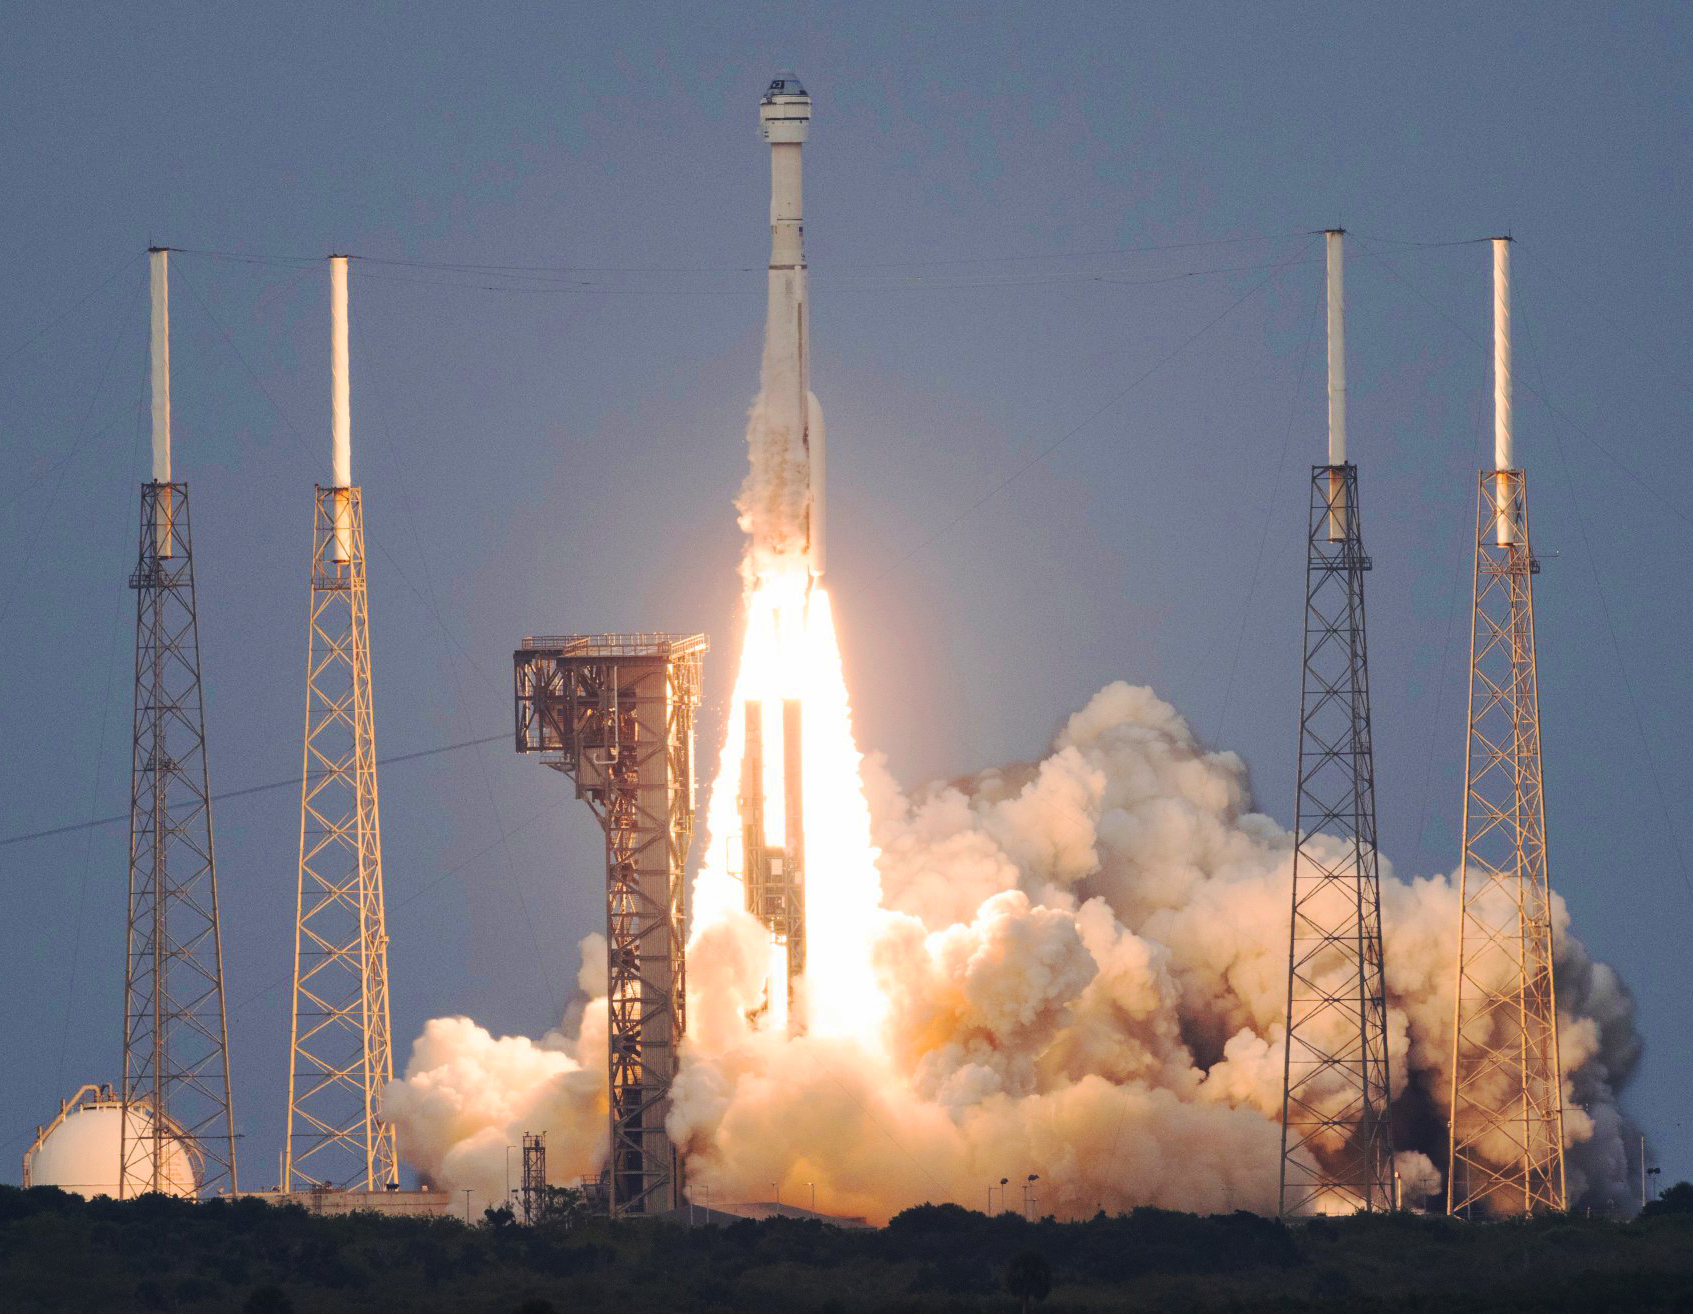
1081, 966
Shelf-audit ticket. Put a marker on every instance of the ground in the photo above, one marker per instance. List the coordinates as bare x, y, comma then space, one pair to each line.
60, 1253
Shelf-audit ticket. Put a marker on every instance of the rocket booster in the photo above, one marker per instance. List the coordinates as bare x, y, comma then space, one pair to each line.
784, 119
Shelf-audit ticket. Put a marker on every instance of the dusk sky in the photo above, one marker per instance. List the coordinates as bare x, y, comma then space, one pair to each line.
1065, 327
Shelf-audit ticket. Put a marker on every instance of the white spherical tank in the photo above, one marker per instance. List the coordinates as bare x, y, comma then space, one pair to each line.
80, 1150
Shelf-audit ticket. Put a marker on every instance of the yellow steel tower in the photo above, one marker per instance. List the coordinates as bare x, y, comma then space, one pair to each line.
341, 1052
1507, 1133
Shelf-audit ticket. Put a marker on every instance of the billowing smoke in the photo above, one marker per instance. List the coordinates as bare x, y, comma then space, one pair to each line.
1071, 975
1083, 966
467, 1095
1086, 961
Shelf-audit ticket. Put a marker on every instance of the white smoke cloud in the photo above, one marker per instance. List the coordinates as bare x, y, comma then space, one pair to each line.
1084, 965
1085, 961
467, 1095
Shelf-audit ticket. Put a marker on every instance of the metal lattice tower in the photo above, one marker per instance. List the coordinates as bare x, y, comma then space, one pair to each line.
1336, 1120
341, 1053
178, 1132
615, 713
534, 1194
1507, 1153
1507, 1130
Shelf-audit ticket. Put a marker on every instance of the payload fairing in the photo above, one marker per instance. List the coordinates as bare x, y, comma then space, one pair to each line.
784, 118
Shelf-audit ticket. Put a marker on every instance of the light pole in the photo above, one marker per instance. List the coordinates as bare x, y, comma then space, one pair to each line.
467, 1206
813, 1186
509, 1149
1002, 1184
1645, 1172
1029, 1196
777, 1187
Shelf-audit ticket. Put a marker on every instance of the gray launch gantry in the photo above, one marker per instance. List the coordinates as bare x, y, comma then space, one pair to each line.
615, 713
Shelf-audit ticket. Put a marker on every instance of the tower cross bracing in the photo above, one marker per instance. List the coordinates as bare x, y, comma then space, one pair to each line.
1336, 1114
1507, 1132
341, 1053
177, 1130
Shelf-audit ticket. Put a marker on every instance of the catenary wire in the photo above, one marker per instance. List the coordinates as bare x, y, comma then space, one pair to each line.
1083, 423
21, 575
65, 314
1611, 630
1552, 406
1269, 519
27, 836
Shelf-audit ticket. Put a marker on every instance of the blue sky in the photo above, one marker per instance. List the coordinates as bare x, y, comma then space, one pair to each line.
1057, 457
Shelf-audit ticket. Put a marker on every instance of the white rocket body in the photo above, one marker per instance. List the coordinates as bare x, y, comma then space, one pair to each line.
784, 118
159, 351
340, 408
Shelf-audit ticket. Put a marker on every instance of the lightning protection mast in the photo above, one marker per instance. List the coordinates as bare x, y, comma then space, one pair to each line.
1336, 1122
340, 1055
177, 1132
1507, 1132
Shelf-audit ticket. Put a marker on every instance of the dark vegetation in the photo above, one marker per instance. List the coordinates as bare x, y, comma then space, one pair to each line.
58, 1252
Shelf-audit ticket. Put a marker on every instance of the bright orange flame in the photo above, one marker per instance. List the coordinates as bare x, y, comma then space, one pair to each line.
790, 651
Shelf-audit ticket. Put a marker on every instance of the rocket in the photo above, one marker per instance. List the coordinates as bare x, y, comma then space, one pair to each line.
784, 120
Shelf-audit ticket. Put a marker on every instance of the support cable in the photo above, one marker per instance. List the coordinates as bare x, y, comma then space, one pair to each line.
291, 782
1610, 629
1093, 415
1269, 519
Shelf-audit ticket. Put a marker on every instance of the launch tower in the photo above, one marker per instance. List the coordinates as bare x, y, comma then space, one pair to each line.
340, 1049
1336, 1124
1507, 1133
615, 713
177, 1131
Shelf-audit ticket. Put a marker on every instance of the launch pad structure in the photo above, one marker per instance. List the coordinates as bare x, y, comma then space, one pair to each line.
340, 1046
1337, 1151
1507, 1132
177, 1130
615, 713
534, 1189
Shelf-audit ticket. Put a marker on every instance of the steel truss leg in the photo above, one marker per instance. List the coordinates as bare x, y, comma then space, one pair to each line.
178, 1133
1336, 1117
1507, 1131
341, 1054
